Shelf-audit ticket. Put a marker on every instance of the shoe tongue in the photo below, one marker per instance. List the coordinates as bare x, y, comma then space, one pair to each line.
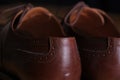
39, 22
91, 22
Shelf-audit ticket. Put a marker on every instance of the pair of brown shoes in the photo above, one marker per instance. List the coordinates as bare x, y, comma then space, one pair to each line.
34, 46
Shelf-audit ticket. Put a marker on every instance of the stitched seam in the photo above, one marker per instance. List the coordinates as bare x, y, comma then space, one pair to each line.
105, 52
43, 58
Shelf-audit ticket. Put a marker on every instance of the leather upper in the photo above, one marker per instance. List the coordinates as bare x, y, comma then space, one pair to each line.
98, 42
10, 13
42, 54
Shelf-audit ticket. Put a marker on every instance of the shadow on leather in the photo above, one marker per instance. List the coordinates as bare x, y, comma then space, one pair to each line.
7, 75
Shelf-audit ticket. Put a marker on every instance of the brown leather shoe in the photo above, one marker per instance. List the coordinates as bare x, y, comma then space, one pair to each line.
8, 14
34, 47
98, 42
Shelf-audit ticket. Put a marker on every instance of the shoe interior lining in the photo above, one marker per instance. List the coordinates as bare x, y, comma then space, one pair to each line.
39, 23
91, 22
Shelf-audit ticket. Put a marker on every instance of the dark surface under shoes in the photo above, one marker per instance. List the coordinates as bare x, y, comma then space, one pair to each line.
34, 47
98, 42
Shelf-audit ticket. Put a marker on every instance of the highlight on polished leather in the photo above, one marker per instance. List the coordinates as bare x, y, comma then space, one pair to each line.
34, 47
98, 41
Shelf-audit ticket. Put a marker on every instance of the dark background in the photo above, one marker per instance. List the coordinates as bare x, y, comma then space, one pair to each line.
107, 5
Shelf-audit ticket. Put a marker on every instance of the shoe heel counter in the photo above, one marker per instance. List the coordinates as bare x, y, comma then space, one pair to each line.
68, 56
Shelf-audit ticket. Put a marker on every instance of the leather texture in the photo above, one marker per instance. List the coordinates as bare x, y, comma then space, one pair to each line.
98, 42
32, 50
11, 12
